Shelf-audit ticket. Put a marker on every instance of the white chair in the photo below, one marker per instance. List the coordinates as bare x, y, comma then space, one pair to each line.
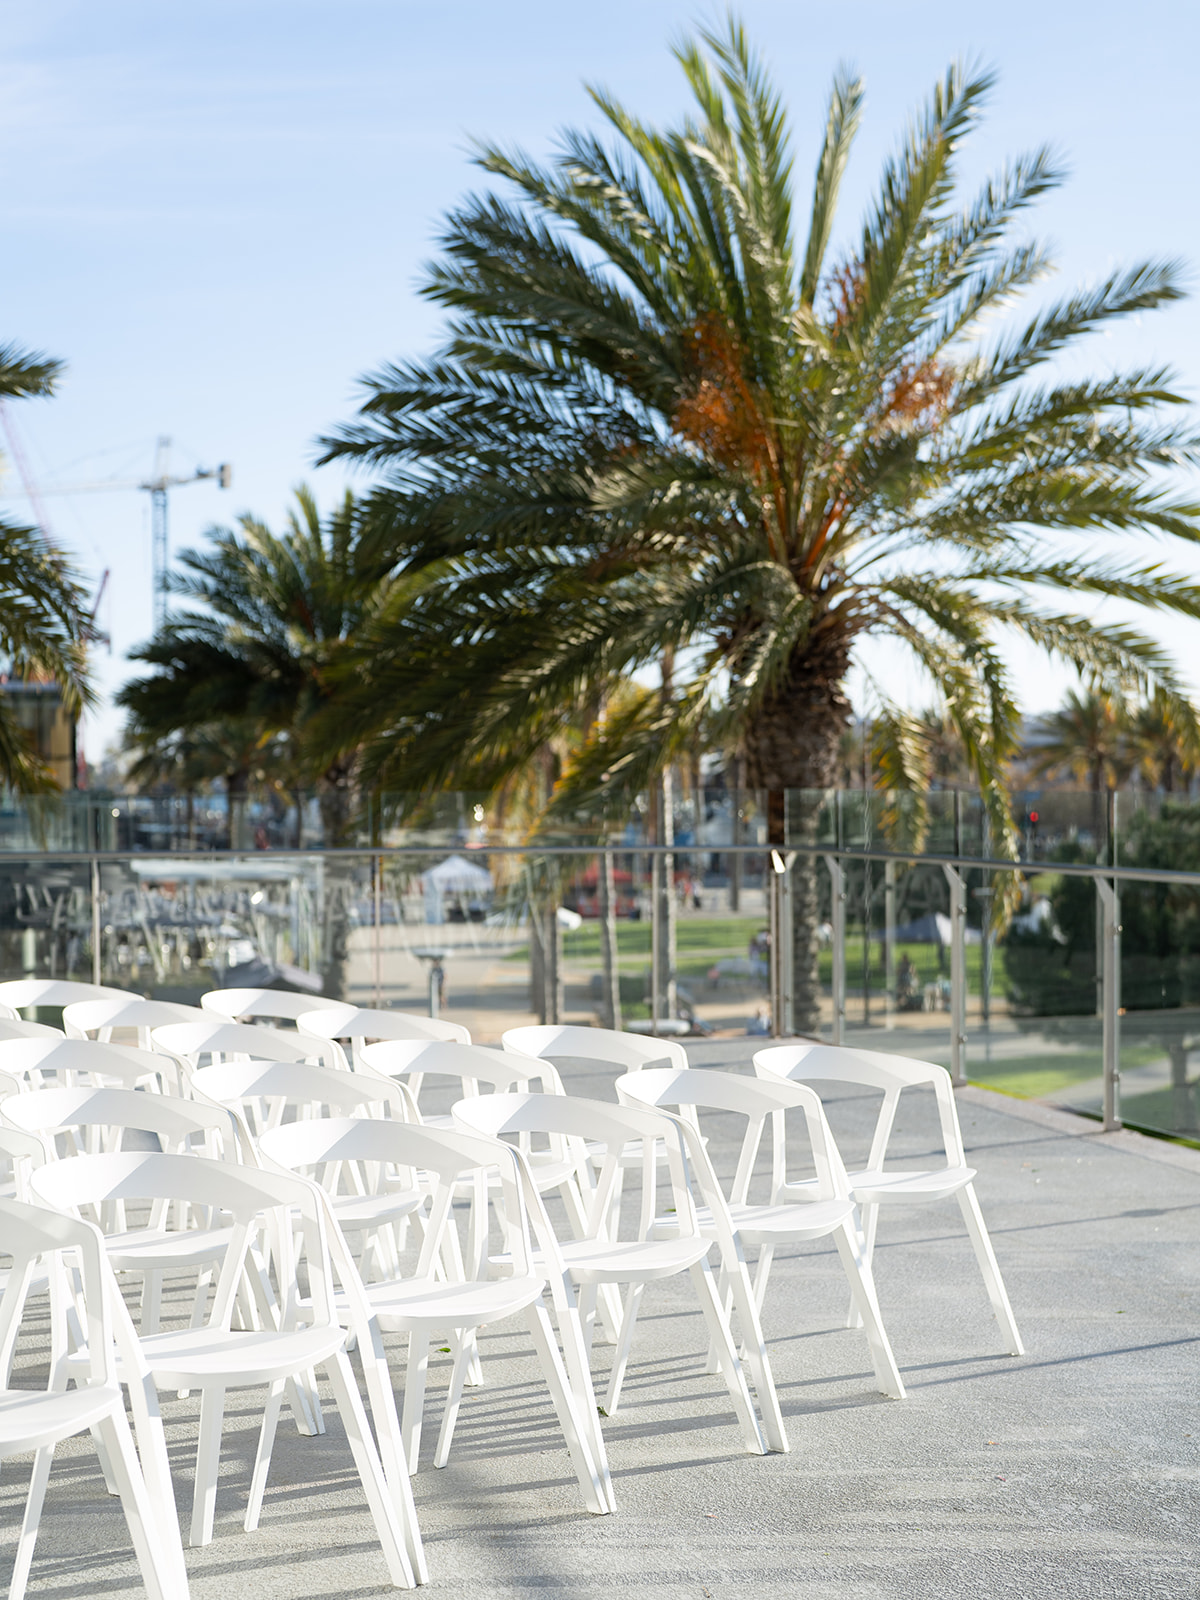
216, 1358
58, 1060
277, 1005
33, 1420
362, 1025
606, 1256
367, 1205
876, 1187
628, 1051
8, 1013
17, 1028
95, 1119
830, 1209
422, 1303
191, 1042
20, 993
96, 1019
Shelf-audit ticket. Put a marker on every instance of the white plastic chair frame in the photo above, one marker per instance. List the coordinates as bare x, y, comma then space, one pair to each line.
47, 1063
280, 1005
366, 1203
19, 994
96, 1019
216, 1358
603, 1256
875, 1187
421, 1303
363, 1025
14, 1028
39, 1420
190, 1042
98, 1117
831, 1209
629, 1051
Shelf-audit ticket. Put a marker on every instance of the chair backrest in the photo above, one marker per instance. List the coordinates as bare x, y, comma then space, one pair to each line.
15, 1028
45, 1062
756, 1099
874, 1069
264, 1092
245, 1193
597, 1121
278, 1004
96, 1019
470, 1064
629, 1051
31, 1232
8, 1012
18, 993
52, 1111
452, 1157
364, 1024
242, 1041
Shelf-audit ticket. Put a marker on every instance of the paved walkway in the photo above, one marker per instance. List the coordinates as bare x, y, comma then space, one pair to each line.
1069, 1474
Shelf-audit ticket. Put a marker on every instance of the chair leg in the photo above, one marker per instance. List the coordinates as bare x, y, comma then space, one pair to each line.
151, 1302
762, 1272
208, 1461
866, 1303
994, 1284
382, 1397
633, 1303
152, 1446
383, 1509
262, 1460
458, 1376
29, 1522
870, 1227
756, 1357
414, 1396
152, 1526
110, 1483
731, 1367
570, 1331
576, 1431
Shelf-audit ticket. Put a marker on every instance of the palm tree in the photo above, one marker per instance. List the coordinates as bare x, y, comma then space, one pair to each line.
665, 424
1160, 749
1086, 740
43, 620
280, 613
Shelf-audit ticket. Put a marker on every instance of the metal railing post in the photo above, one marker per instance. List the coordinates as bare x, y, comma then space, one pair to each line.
779, 909
958, 976
377, 875
837, 881
1111, 1001
889, 940
655, 943
96, 963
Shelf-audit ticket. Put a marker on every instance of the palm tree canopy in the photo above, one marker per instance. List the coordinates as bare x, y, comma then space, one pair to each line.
278, 612
666, 420
43, 615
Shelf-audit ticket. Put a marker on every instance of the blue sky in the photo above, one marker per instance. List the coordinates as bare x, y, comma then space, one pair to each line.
217, 214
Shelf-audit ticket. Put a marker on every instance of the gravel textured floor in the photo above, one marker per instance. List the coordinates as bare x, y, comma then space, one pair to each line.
1071, 1472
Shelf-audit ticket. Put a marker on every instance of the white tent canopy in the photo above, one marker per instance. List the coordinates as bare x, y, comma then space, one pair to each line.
457, 875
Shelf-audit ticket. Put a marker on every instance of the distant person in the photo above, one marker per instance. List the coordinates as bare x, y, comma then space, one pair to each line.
906, 984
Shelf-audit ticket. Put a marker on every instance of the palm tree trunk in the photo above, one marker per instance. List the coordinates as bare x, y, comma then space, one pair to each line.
793, 744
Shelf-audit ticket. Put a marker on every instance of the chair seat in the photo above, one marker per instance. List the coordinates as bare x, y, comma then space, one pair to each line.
879, 1186
191, 1358
33, 1418
373, 1210
147, 1249
631, 1261
777, 1224
408, 1303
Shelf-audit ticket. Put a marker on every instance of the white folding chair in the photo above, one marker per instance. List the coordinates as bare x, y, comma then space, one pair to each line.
830, 1209
97, 1019
363, 1025
422, 1303
877, 1187
608, 1255
38, 1420
214, 1040
628, 1051
276, 1005
58, 1060
215, 1357
16, 1028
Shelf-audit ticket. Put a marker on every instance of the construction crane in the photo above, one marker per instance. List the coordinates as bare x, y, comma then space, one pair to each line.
156, 486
